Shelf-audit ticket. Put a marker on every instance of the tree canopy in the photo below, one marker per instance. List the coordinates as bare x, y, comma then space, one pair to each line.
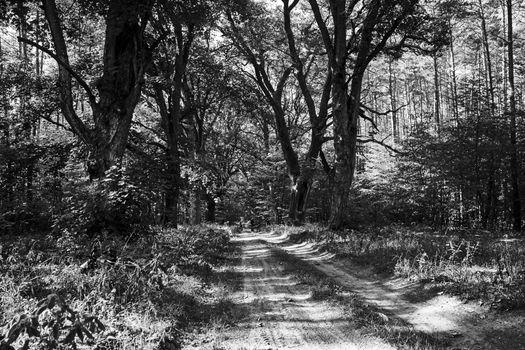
182, 112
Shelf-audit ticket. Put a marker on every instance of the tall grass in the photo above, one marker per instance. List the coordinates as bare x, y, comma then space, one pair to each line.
473, 266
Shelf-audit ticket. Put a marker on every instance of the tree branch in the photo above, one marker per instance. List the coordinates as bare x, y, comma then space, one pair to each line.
49, 120
66, 66
324, 162
382, 143
385, 112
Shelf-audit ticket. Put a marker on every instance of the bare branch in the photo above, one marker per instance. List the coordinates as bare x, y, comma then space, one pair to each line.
382, 143
367, 118
49, 120
385, 112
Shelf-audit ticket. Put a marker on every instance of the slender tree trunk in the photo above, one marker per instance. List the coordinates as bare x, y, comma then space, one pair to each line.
437, 96
392, 89
210, 208
454, 79
514, 161
504, 70
488, 60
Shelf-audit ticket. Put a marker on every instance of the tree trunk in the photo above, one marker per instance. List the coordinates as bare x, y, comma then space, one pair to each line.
344, 119
514, 161
210, 208
126, 57
301, 191
454, 79
195, 205
392, 89
437, 96
346, 107
318, 116
488, 60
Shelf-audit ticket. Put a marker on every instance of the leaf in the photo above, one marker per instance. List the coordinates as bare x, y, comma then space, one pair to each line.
79, 333
88, 333
32, 332
56, 331
100, 324
13, 333
26, 345
70, 337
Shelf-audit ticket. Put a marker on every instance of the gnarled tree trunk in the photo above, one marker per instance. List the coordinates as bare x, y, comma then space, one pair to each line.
126, 57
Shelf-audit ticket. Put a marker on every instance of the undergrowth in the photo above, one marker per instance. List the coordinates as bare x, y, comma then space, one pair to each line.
76, 292
471, 265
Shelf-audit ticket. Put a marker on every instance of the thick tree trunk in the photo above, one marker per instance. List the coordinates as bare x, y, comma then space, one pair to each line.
126, 57
346, 107
301, 191
344, 121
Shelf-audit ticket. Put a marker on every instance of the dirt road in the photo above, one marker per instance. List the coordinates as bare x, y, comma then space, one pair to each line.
280, 313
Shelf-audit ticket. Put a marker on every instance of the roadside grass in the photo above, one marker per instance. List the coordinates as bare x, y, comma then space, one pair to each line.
110, 293
470, 264
366, 317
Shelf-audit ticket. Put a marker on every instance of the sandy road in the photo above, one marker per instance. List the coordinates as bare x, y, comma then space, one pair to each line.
282, 314
466, 326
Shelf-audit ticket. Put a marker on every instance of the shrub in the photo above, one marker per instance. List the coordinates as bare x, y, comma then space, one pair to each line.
52, 323
113, 205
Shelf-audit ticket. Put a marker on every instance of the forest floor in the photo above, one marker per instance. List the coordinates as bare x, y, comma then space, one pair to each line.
296, 296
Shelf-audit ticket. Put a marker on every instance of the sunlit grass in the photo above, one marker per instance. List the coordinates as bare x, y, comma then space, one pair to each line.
472, 266
140, 305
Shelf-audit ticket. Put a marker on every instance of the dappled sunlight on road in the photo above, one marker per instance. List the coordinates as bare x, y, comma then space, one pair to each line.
282, 313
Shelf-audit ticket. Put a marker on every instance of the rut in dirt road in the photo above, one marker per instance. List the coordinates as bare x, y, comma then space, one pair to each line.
282, 314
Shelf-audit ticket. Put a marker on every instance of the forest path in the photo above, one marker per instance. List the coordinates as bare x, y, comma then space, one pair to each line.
463, 325
280, 311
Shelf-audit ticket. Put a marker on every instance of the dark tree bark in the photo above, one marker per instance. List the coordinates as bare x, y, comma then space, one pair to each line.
437, 95
318, 116
210, 208
171, 112
273, 95
126, 57
346, 104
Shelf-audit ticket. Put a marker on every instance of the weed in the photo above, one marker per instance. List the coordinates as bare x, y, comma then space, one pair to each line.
145, 291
